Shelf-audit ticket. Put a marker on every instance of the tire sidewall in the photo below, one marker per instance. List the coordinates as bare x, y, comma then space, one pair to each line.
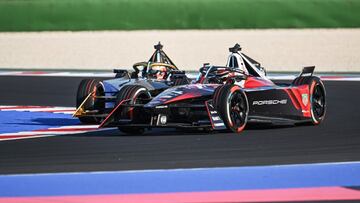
315, 82
130, 92
224, 106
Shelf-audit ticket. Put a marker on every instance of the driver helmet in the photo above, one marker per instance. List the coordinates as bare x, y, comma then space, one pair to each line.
158, 72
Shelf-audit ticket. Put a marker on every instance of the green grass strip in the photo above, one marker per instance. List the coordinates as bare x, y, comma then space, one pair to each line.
43, 15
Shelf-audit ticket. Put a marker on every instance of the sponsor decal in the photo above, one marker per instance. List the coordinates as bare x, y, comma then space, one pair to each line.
269, 102
306, 74
305, 99
161, 107
215, 119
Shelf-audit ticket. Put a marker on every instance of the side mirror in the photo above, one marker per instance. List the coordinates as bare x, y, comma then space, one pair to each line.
238, 78
134, 75
177, 72
120, 73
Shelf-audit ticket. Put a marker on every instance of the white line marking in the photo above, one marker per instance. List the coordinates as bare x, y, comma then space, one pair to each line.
77, 126
52, 131
29, 137
184, 169
62, 130
55, 109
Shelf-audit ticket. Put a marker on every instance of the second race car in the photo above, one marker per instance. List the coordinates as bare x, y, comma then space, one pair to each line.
97, 98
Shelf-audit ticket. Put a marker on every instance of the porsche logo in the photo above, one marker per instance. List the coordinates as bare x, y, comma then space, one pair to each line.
269, 102
305, 99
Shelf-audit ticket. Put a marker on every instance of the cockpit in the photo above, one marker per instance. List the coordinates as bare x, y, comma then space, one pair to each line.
158, 67
237, 64
241, 61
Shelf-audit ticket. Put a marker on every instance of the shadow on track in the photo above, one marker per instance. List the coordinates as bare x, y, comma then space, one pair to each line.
113, 132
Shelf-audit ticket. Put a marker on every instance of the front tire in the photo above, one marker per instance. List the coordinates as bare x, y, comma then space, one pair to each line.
232, 105
137, 95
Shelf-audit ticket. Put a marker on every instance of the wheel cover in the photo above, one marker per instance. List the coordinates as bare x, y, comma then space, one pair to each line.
138, 98
238, 109
318, 101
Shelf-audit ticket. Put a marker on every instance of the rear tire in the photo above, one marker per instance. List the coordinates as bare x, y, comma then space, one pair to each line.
317, 101
137, 94
232, 105
85, 87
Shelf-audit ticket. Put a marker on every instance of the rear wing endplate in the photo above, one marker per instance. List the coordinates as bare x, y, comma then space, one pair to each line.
307, 71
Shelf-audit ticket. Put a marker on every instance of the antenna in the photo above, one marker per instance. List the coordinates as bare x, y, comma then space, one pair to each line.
158, 46
235, 49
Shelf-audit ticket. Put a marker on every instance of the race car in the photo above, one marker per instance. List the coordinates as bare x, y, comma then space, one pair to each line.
223, 97
96, 99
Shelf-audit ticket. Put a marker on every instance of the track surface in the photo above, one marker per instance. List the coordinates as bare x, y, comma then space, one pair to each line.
336, 140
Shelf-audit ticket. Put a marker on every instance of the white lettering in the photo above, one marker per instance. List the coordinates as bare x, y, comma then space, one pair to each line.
269, 102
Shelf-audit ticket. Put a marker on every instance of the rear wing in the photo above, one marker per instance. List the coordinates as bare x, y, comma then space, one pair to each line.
307, 71
305, 76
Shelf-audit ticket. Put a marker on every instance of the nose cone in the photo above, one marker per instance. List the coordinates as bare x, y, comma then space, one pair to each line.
181, 93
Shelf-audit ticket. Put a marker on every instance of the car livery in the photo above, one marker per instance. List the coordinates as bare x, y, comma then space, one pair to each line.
224, 97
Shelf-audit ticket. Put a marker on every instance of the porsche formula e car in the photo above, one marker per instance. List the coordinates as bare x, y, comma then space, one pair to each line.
223, 97
96, 98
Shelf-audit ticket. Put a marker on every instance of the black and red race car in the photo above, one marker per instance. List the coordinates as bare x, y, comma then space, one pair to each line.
222, 97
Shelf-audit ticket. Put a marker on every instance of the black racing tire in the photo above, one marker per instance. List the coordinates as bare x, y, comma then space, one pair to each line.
317, 101
136, 94
216, 96
85, 87
232, 105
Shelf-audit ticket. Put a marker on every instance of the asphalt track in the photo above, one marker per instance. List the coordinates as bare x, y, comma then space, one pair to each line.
337, 139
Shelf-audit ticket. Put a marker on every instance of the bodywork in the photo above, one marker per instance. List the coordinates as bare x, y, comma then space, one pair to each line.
191, 105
